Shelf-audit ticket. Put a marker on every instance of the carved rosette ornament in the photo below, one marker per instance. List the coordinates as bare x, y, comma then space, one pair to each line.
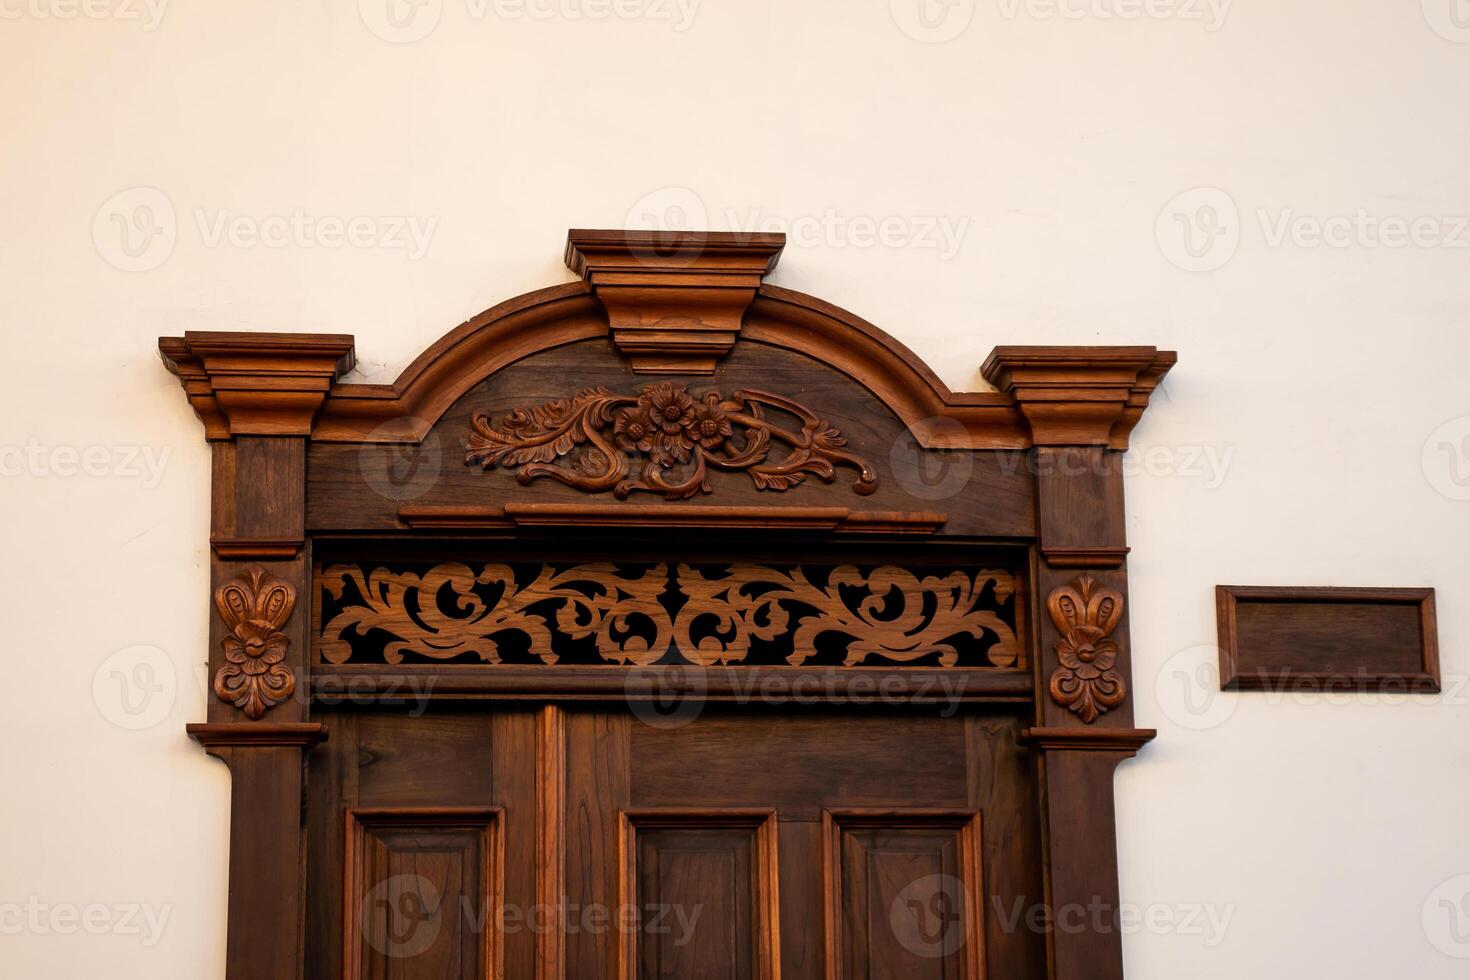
255, 606
675, 437
1086, 613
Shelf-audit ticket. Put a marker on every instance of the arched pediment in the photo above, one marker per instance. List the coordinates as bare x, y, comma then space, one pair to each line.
671, 305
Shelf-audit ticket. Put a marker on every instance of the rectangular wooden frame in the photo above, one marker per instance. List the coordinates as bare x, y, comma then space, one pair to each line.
1233, 677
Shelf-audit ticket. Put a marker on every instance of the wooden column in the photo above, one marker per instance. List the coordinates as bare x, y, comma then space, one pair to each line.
1080, 405
257, 395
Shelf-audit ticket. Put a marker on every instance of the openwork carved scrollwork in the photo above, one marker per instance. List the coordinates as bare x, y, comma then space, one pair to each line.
642, 614
409, 608
678, 438
892, 620
1086, 613
255, 607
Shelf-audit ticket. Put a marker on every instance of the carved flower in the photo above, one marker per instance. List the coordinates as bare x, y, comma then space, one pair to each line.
633, 429
254, 676
670, 405
1087, 652
710, 426
254, 645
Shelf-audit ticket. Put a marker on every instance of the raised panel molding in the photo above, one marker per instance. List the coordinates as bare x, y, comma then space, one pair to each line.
422, 894
904, 892
1316, 639
709, 878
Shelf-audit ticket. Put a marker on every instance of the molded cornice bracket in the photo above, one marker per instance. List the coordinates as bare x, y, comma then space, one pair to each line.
257, 383
1079, 396
674, 300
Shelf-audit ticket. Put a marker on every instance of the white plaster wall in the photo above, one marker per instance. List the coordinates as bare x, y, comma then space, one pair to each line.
1052, 142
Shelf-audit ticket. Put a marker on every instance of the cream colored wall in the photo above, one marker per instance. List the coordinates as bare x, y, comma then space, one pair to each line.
1024, 163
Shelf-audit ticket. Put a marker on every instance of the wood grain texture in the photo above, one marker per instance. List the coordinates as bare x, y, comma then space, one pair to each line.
424, 887
905, 894
712, 875
1290, 638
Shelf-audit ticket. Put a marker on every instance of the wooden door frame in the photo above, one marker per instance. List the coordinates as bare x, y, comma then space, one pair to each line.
669, 303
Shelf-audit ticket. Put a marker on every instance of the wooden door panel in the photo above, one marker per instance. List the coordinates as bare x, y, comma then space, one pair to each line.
768, 845
904, 896
421, 887
702, 890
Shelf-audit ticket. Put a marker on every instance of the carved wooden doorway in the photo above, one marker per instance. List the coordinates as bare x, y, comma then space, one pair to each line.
667, 624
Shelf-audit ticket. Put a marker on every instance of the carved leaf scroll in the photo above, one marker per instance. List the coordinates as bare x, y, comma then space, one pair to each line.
1086, 613
705, 614
255, 608
587, 442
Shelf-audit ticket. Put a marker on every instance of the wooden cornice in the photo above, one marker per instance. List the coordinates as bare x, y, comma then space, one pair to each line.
257, 383
1079, 396
674, 300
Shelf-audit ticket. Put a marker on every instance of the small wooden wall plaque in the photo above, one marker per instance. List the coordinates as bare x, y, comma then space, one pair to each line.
1278, 638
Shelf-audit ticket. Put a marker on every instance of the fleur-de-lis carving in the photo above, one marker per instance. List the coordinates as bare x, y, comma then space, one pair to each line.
255, 606
1086, 613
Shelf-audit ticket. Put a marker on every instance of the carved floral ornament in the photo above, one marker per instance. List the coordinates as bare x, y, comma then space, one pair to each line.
677, 437
255, 606
712, 616
1086, 613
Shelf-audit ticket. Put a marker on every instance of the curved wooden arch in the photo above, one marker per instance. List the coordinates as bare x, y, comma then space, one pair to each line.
671, 304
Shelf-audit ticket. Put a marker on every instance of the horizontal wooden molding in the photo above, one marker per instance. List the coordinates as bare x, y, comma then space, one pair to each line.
1084, 557
1128, 740
256, 549
257, 734
1313, 639
674, 300
551, 515
924, 686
